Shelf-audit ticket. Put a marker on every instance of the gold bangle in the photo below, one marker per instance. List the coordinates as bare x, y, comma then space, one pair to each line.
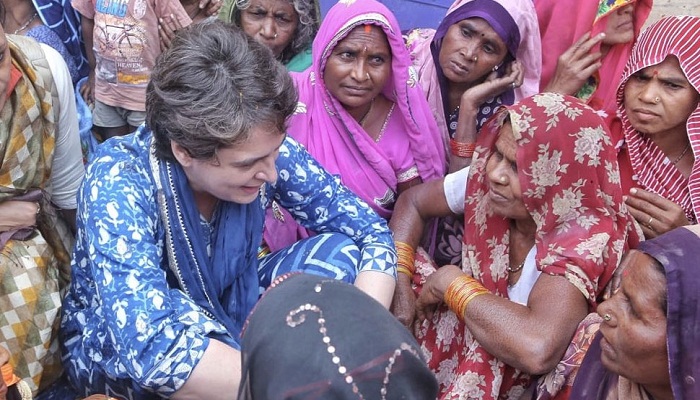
406, 256
461, 291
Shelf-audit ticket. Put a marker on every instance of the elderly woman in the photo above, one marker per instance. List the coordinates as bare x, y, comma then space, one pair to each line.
287, 27
170, 219
647, 347
586, 44
658, 103
543, 220
361, 113
40, 171
484, 53
338, 362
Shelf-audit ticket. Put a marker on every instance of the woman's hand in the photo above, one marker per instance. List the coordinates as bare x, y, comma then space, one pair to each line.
167, 27
404, 304
88, 89
655, 214
17, 214
475, 96
210, 7
433, 292
576, 65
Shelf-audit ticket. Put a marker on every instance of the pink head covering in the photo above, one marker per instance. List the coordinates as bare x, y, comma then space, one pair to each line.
338, 141
562, 23
527, 50
676, 36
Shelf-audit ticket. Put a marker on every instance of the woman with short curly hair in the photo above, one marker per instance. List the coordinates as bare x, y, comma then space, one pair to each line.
287, 27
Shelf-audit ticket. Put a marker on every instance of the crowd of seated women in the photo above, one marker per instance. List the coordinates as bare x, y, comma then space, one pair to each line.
503, 207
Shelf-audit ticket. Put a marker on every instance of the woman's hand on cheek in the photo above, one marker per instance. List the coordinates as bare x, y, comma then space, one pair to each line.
494, 85
655, 214
575, 66
433, 292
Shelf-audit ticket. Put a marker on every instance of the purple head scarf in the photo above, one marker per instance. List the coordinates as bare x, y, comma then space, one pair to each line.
491, 12
515, 21
677, 251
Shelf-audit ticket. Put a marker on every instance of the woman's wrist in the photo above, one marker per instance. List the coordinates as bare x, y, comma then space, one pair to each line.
462, 149
461, 291
406, 258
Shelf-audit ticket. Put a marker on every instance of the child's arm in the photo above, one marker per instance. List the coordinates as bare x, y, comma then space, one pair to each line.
88, 89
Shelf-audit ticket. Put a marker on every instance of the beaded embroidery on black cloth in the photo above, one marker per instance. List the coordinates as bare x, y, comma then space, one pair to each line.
314, 338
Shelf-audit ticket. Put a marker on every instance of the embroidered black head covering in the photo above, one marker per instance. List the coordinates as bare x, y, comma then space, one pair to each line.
314, 338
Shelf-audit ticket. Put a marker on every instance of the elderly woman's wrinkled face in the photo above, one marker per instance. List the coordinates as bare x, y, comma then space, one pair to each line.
620, 26
470, 50
505, 194
271, 22
358, 67
659, 99
5, 67
634, 338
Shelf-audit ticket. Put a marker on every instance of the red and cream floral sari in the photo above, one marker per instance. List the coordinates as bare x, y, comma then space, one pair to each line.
571, 186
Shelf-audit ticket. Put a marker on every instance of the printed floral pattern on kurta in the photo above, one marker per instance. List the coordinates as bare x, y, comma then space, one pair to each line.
128, 329
582, 230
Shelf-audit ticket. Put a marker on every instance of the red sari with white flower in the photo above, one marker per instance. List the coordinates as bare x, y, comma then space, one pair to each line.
571, 186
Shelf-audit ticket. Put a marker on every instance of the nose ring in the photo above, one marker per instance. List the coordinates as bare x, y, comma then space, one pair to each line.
275, 36
607, 317
367, 74
475, 58
657, 99
502, 179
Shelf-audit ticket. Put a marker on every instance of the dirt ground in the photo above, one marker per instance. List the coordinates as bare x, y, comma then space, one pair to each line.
662, 8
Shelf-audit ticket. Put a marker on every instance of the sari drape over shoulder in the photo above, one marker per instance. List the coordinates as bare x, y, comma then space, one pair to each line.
410, 147
650, 168
570, 186
370, 169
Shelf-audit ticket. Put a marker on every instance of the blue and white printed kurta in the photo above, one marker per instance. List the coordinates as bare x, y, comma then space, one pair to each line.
127, 328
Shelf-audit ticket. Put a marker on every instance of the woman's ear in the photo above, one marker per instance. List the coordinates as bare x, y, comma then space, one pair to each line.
181, 154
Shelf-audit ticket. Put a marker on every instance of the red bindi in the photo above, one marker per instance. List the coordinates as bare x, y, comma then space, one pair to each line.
368, 28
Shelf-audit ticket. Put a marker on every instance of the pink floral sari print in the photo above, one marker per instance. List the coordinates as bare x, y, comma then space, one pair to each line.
571, 186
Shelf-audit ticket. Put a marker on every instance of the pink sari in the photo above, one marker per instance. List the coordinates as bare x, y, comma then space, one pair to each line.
411, 145
562, 23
